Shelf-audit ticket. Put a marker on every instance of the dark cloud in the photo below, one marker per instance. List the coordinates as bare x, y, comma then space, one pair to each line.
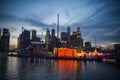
106, 11
104, 22
31, 21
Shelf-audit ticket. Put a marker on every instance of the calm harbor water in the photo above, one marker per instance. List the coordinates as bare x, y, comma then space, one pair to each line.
14, 68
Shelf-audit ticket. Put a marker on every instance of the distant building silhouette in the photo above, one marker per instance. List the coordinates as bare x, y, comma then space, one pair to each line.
31, 46
68, 36
47, 39
64, 39
117, 49
88, 44
64, 36
76, 39
0, 32
4, 40
33, 35
51, 40
24, 39
18, 43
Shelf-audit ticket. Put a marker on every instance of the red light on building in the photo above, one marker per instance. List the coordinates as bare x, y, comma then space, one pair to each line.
66, 52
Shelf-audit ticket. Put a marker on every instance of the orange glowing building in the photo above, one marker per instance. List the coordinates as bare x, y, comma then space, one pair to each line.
68, 52
71, 52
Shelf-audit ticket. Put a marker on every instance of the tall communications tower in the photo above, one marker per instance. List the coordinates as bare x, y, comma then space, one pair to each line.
57, 31
58, 25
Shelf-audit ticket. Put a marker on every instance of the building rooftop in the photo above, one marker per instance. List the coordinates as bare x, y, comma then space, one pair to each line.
36, 42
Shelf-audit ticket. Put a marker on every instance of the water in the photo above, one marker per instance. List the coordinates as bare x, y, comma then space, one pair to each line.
14, 68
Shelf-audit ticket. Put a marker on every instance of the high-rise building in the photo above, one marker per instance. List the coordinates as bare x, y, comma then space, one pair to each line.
53, 32
117, 49
68, 36
18, 43
78, 32
64, 36
87, 44
68, 31
0, 32
53, 40
4, 40
24, 39
5, 31
47, 39
33, 35
76, 39
0, 40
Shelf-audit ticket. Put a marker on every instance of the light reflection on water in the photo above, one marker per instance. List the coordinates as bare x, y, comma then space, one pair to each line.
13, 68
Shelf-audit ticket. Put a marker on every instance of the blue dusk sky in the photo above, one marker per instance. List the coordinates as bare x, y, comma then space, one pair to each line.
100, 18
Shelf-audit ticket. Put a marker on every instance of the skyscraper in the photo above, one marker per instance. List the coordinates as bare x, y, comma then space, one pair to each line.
53, 32
76, 38
87, 44
64, 36
117, 49
47, 39
24, 39
53, 40
68, 36
4, 40
78, 32
0, 32
33, 35
58, 25
18, 43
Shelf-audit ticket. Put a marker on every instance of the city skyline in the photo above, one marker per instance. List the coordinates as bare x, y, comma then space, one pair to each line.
94, 17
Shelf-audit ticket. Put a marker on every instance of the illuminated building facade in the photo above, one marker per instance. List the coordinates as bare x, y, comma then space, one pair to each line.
75, 53
51, 40
47, 39
64, 38
69, 52
76, 39
66, 52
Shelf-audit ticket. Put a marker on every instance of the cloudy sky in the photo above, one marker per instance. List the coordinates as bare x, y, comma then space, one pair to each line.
100, 18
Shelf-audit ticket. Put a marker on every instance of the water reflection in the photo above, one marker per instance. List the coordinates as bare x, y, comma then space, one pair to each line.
13, 68
3, 66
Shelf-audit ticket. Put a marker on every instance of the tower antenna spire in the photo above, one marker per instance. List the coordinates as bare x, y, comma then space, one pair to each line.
57, 31
58, 25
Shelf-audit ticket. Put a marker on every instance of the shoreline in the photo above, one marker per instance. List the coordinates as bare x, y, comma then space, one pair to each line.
58, 58
101, 59
108, 60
